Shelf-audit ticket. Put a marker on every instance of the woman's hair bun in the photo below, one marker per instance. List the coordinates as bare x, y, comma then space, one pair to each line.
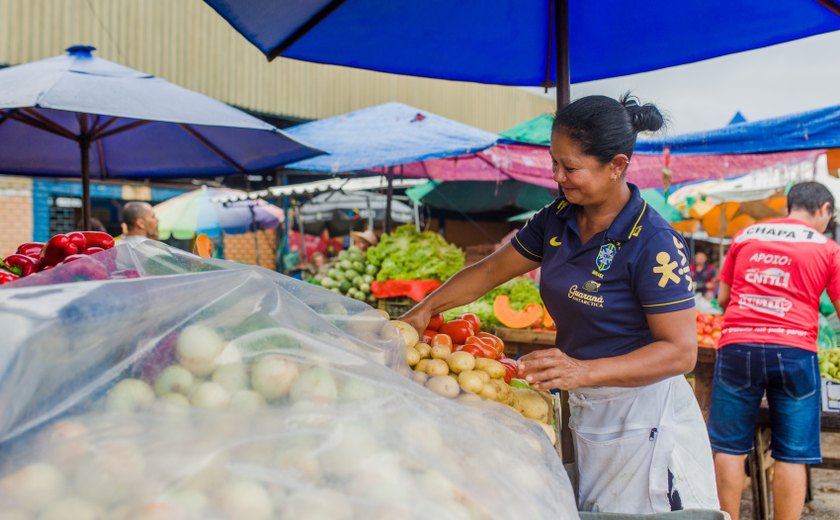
644, 118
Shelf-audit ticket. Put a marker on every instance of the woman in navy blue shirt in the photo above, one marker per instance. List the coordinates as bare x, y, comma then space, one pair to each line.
616, 280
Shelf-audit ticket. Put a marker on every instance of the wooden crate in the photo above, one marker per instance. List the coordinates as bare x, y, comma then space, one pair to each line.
519, 342
395, 307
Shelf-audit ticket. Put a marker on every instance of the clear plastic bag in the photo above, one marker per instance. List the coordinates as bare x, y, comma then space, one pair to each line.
226, 391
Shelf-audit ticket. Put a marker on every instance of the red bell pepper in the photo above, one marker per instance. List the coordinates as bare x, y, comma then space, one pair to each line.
22, 265
98, 239
7, 277
497, 341
78, 239
76, 268
125, 273
32, 249
458, 330
472, 349
473, 319
436, 321
511, 368
58, 248
486, 347
92, 250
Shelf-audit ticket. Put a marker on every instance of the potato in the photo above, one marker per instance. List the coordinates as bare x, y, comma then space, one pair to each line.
488, 391
408, 333
504, 394
441, 352
485, 378
412, 356
552, 435
419, 377
444, 386
422, 365
437, 367
530, 404
424, 349
470, 381
460, 361
469, 398
493, 368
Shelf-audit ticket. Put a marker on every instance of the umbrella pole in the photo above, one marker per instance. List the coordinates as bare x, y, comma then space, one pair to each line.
390, 195
561, 50
84, 147
371, 216
302, 237
254, 230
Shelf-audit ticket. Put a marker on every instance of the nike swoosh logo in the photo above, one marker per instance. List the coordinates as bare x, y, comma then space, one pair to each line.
554, 241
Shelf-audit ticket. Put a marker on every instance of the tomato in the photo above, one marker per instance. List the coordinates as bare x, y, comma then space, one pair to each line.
486, 347
473, 319
436, 321
442, 340
428, 334
497, 341
472, 349
511, 368
458, 330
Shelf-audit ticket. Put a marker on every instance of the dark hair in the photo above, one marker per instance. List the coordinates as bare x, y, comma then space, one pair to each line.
809, 196
606, 127
133, 211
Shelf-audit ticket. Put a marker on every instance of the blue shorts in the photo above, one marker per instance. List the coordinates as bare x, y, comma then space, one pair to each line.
791, 378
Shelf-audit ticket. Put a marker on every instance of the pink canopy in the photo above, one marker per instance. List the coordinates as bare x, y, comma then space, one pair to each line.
532, 164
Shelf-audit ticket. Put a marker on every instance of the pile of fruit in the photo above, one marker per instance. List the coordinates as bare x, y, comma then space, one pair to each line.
515, 304
351, 276
456, 360
709, 328
830, 364
35, 257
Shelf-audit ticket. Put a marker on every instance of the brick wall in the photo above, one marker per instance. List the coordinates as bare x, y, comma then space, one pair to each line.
15, 213
242, 248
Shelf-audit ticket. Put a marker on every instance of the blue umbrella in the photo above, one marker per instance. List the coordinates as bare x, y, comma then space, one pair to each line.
514, 42
123, 123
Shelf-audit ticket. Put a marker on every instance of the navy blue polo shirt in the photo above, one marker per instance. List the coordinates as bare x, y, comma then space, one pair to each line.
598, 293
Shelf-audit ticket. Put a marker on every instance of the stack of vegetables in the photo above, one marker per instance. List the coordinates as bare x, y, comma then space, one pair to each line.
830, 364
709, 328
407, 254
34, 257
457, 360
515, 304
351, 276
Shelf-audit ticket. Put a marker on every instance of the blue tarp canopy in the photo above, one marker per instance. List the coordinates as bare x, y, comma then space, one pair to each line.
812, 130
511, 42
385, 135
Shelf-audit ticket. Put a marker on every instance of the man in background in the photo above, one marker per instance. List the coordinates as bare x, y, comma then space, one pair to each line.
770, 286
139, 222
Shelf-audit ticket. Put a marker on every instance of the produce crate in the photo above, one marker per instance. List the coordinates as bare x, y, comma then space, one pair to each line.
473, 254
689, 514
830, 396
395, 307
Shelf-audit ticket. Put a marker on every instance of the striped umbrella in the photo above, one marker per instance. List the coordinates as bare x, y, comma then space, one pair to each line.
195, 212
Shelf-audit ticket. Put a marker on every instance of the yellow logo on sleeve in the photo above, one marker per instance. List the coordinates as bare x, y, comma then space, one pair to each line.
554, 241
666, 269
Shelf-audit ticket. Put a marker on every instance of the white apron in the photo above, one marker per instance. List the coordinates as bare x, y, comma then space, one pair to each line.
627, 439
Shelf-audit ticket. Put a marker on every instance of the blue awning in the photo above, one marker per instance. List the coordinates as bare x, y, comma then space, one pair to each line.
511, 42
812, 130
386, 135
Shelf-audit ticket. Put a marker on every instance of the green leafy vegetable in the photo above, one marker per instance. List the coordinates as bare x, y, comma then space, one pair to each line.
407, 254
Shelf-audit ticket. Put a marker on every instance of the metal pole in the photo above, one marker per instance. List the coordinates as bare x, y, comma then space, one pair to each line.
254, 231
390, 194
302, 236
561, 52
416, 215
84, 145
371, 219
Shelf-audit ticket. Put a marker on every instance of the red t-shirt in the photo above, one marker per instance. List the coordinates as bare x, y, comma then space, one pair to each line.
777, 271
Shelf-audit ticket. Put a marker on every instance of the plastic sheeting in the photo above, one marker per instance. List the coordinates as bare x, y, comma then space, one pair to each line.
145, 126
511, 42
385, 135
229, 392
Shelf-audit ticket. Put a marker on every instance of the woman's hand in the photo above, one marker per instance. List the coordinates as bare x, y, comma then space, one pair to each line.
550, 368
418, 317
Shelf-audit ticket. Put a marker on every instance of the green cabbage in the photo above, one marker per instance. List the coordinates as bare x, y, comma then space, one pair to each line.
407, 254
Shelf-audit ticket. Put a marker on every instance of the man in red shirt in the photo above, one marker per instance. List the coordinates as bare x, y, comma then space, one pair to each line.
770, 286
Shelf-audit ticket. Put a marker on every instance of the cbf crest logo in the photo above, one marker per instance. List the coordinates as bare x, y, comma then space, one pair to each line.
605, 257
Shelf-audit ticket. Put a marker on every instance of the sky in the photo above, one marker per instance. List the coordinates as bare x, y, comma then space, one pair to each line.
769, 82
